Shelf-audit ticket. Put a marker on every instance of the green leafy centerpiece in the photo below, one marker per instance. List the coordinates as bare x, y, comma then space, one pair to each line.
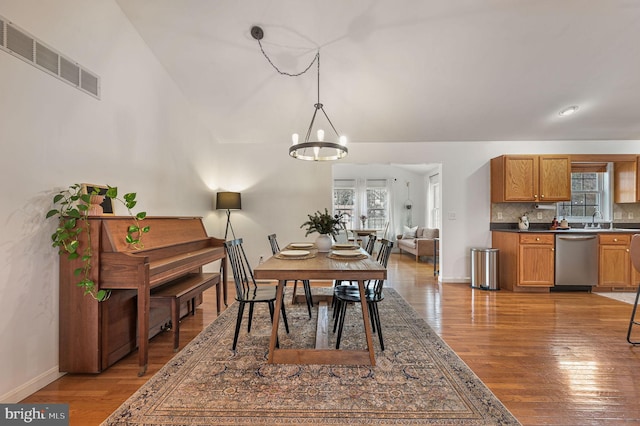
325, 224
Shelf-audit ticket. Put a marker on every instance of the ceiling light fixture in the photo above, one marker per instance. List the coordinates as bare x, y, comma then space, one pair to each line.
309, 149
568, 111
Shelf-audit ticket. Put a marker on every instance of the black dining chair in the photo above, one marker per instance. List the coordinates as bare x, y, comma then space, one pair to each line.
275, 248
248, 292
371, 243
346, 294
634, 252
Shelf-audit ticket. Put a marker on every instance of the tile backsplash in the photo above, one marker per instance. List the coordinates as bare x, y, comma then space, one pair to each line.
510, 212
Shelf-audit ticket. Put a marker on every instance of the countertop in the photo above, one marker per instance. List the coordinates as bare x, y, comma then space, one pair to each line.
574, 231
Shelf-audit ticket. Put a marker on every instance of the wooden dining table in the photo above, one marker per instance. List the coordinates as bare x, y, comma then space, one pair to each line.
321, 266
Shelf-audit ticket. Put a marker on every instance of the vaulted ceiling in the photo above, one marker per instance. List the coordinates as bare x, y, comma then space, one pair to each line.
403, 70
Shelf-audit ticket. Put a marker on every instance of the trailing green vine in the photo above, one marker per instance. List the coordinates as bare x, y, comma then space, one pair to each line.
72, 212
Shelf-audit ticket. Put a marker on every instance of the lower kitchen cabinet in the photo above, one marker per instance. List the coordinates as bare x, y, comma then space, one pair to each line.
536, 264
526, 260
614, 264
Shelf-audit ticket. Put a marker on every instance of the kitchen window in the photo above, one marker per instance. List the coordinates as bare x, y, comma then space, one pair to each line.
590, 194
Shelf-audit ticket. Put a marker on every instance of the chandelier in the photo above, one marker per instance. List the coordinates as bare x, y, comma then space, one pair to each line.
313, 147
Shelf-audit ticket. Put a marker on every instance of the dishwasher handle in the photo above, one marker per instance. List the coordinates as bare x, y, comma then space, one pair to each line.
577, 237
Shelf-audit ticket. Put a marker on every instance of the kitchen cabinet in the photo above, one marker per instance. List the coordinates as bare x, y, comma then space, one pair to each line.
626, 186
537, 178
614, 262
536, 263
526, 261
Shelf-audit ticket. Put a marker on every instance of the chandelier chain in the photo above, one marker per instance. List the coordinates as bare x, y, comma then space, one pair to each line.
315, 58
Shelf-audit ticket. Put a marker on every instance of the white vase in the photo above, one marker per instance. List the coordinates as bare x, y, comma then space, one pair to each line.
324, 243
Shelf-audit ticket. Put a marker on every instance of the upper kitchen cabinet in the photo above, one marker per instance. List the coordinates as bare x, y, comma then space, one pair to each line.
626, 187
537, 178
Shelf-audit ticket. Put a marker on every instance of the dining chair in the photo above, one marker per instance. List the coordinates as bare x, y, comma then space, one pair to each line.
346, 294
634, 253
248, 292
371, 243
275, 248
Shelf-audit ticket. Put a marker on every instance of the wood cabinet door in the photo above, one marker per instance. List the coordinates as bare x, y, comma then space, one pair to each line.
536, 265
614, 265
555, 178
521, 178
625, 186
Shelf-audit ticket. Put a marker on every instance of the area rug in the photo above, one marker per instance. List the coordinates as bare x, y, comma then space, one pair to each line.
418, 379
626, 297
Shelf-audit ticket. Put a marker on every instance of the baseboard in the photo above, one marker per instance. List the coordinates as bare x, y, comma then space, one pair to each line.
454, 280
21, 392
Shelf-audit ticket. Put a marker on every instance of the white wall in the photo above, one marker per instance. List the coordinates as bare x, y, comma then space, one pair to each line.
141, 136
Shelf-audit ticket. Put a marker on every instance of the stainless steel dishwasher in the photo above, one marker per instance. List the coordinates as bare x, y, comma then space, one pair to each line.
576, 260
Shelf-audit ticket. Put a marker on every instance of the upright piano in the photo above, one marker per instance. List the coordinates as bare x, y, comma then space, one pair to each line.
94, 335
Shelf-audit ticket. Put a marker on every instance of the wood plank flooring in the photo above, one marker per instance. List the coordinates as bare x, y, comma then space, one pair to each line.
552, 359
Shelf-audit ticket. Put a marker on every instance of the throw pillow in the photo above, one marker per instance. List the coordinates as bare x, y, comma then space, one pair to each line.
409, 232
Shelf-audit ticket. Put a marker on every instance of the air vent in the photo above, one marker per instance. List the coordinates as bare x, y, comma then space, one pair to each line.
70, 71
19, 43
23, 45
47, 58
89, 82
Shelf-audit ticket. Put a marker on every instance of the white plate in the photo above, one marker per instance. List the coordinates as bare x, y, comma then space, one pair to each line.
346, 253
301, 245
345, 246
294, 252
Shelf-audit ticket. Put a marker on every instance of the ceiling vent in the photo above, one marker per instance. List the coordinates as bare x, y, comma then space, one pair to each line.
21, 44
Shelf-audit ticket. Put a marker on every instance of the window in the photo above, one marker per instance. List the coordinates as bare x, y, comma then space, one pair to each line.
355, 198
377, 203
344, 200
590, 198
434, 218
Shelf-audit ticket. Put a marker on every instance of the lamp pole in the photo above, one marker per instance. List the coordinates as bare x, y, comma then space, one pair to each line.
226, 231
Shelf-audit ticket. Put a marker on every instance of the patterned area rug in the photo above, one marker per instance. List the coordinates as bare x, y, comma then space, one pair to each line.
622, 297
418, 379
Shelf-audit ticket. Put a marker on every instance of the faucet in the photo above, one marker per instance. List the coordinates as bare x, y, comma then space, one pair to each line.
593, 218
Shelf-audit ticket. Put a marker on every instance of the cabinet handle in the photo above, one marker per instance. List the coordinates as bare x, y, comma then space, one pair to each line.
537, 238
553, 249
535, 195
542, 196
627, 250
615, 240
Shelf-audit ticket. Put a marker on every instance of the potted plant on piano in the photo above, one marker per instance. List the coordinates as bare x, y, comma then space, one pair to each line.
73, 208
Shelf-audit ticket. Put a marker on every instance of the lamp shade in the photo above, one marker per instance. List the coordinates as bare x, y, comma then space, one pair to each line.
228, 201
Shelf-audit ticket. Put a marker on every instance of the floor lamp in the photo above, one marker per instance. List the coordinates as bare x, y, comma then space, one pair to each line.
228, 201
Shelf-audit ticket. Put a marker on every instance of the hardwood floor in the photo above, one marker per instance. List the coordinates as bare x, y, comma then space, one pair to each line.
552, 359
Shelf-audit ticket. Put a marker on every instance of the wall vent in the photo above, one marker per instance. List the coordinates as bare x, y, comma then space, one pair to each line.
23, 45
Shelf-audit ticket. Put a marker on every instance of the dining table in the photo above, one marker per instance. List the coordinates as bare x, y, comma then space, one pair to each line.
302, 261
359, 234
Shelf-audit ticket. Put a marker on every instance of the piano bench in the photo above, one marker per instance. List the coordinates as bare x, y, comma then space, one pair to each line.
185, 288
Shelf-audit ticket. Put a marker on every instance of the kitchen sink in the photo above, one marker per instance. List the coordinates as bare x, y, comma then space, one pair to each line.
600, 230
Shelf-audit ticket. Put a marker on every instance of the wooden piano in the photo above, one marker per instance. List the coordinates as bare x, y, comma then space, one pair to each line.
94, 335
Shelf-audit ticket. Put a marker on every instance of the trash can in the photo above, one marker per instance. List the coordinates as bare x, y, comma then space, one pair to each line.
484, 268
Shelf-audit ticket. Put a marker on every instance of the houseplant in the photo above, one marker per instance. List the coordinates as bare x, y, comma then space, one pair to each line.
72, 211
326, 225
